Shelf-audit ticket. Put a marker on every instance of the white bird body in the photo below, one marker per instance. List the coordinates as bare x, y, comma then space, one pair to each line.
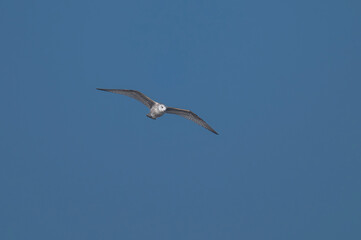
158, 109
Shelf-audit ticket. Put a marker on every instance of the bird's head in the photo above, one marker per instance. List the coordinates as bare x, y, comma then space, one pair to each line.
162, 107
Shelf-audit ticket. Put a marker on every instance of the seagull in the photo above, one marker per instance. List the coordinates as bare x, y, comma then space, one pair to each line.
158, 109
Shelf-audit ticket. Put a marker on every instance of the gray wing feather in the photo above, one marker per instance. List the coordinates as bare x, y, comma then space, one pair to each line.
190, 116
133, 94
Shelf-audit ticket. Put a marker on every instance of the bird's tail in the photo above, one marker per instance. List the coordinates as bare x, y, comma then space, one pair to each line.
150, 116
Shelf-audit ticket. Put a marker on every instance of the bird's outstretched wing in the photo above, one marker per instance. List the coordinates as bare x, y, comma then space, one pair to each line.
191, 116
133, 94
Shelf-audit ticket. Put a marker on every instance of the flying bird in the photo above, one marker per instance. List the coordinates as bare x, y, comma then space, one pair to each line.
158, 109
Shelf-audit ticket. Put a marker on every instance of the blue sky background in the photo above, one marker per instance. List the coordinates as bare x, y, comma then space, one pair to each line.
279, 80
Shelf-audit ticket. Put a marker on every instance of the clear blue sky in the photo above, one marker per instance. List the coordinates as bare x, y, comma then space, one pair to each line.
279, 80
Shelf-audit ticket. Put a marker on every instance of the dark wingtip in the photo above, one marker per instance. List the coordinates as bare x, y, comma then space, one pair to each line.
213, 131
